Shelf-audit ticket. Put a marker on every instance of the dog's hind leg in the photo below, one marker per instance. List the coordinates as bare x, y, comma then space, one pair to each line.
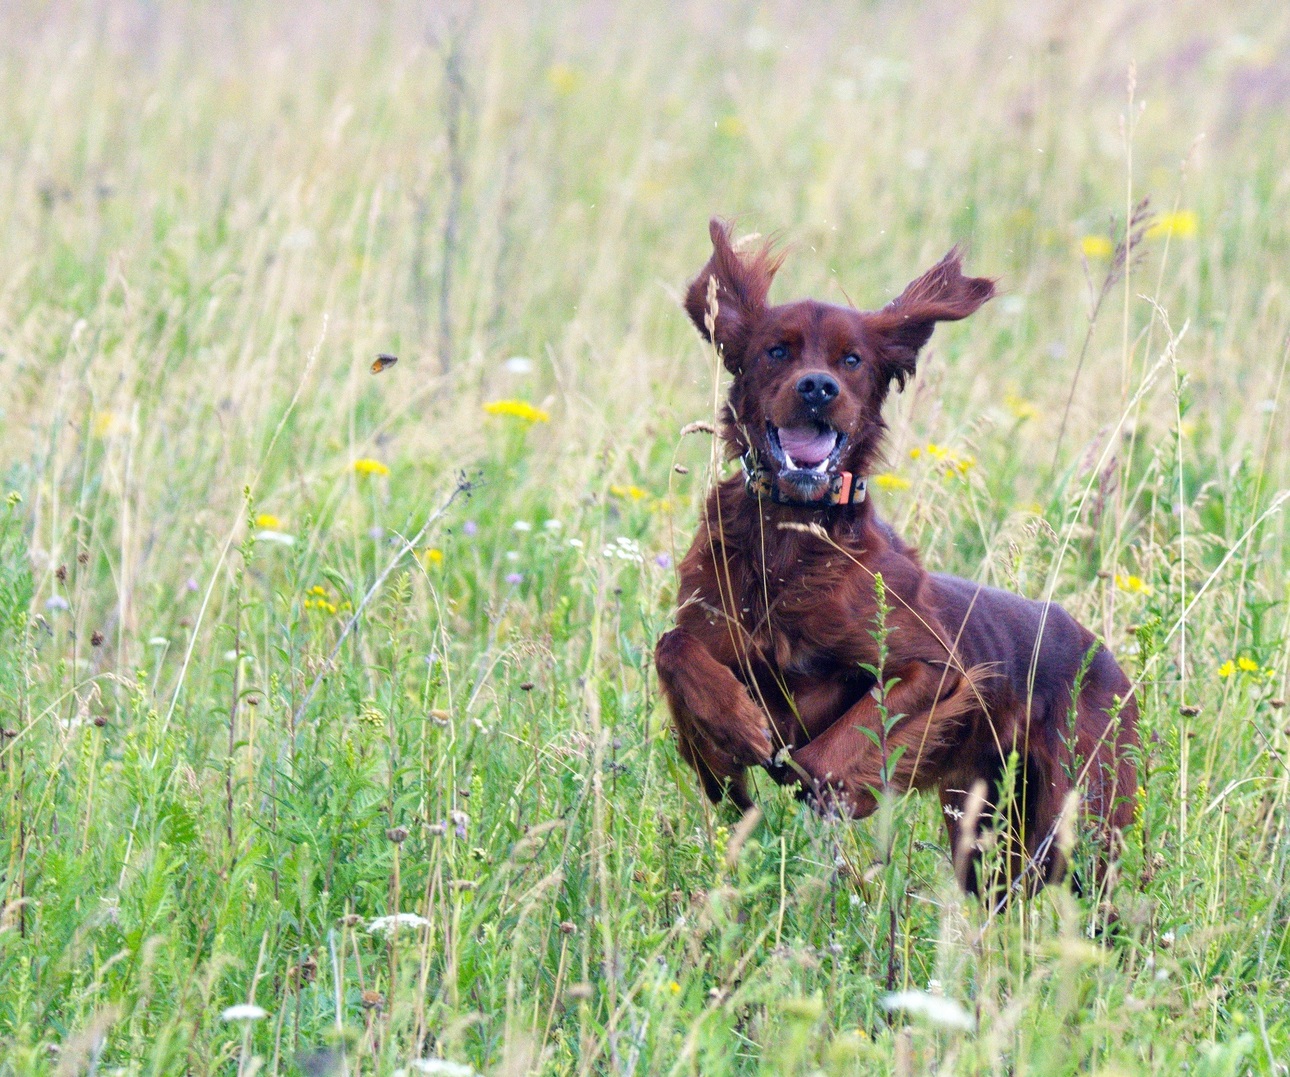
1106, 743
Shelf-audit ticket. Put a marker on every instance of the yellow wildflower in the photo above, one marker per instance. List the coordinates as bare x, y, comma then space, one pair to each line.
1247, 665
1133, 584
1227, 668
674, 987
633, 492
367, 466
1096, 246
268, 521
321, 592
563, 78
951, 461
1181, 225
517, 409
730, 126
1021, 408
434, 556
888, 481
106, 423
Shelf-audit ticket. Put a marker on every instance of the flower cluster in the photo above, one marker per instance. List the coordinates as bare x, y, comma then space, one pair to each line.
888, 481
366, 466
949, 461
320, 600
1180, 225
1135, 585
1096, 247
623, 548
1019, 407
517, 409
1246, 667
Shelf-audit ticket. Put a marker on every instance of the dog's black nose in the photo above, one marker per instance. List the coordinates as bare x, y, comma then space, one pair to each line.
817, 389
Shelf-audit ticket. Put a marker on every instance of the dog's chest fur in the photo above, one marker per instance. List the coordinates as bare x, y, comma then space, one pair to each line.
806, 620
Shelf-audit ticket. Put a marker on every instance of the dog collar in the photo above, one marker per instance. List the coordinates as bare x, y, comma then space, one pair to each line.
834, 488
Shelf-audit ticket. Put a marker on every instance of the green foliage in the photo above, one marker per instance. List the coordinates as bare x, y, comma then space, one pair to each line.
244, 724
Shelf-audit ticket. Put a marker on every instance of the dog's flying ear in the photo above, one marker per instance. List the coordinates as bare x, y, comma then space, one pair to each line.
942, 294
743, 282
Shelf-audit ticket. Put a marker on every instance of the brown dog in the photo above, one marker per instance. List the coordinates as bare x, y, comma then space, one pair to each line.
778, 619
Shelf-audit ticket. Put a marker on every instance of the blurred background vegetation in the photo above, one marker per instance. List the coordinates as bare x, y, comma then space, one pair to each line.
251, 704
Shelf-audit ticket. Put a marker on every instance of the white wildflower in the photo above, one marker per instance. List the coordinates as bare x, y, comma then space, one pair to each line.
386, 925
937, 1009
277, 537
521, 525
518, 364
244, 1011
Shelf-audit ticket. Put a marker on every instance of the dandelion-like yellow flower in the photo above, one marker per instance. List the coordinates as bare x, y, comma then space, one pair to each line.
563, 78
1097, 247
517, 409
434, 556
633, 492
1247, 665
367, 466
268, 521
674, 987
1181, 225
888, 481
1227, 668
1133, 584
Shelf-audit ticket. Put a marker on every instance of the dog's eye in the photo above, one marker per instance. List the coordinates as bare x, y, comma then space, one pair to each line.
778, 352
851, 360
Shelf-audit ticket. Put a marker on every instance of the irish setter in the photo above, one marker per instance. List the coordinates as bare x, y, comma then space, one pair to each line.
772, 659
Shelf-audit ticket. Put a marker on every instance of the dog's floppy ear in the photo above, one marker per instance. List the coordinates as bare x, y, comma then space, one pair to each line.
942, 294
742, 284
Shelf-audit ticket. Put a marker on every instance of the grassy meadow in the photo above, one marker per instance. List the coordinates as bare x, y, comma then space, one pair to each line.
330, 741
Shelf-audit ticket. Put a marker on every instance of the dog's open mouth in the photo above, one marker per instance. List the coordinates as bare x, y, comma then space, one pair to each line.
812, 449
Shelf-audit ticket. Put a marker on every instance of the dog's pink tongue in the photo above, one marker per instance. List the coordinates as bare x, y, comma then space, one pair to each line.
805, 444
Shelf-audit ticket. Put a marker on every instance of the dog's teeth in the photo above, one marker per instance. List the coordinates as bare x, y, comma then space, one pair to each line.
789, 461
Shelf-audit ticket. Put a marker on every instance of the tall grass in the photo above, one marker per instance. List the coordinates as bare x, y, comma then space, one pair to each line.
248, 715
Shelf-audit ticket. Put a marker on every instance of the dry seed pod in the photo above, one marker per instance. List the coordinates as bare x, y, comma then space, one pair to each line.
698, 428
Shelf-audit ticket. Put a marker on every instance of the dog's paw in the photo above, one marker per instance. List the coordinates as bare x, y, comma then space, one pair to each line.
746, 740
829, 793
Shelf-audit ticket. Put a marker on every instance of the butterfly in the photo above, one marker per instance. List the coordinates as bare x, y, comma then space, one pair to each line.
383, 362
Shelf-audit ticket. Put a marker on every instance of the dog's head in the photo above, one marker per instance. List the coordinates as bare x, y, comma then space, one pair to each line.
810, 378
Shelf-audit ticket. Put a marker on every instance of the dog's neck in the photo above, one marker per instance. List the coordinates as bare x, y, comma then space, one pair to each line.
832, 488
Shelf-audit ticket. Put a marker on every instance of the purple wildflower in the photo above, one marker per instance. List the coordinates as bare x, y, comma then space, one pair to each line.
514, 579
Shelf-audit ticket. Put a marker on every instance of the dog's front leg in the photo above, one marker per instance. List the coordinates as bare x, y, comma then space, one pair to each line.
720, 729
844, 765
